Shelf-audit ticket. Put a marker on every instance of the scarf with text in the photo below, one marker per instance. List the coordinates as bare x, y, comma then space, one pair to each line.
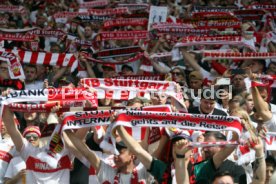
125, 22
124, 89
94, 18
214, 9
122, 35
109, 11
11, 9
48, 33
94, 4
214, 40
129, 60
14, 65
238, 55
142, 77
17, 37
58, 96
135, 7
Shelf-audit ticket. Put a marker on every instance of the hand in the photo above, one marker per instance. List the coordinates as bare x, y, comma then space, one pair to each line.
181, 147
21, 174
255, 143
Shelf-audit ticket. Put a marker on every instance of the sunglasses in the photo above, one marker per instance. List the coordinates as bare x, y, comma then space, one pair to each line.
34, 137
176, 73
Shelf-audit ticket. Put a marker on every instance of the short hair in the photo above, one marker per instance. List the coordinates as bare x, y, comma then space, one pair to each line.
127, 67
135, 100
221, 174
217, 135
30, 66
270, 161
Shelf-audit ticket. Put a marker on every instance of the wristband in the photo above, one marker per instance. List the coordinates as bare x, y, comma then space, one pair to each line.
180, 156
258, 158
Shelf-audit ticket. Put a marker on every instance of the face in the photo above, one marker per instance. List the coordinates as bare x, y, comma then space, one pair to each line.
108, 72
238, 82
249, 103
55, 49
195, 84
159, 99
33, 139
127, 71
3, 128
271, 70
88, 32
31, 74
123, 159
4, 71
256, 67
207, 106
269, 172
209, 152
177, 76
223, 180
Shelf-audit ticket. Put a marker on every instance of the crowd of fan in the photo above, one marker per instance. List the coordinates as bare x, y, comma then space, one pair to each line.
169, 159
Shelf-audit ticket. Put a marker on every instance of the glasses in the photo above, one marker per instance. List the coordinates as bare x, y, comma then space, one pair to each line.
176, 73
34, 137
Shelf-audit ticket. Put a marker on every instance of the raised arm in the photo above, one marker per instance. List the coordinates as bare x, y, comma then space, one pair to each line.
78, 144
181, 154
259, 169
16, 136
135, 147
225, 152
261, 105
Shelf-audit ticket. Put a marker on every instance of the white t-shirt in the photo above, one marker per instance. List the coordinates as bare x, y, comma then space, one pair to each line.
271, 124
15, 166
40, 172
6, 154
107, 174
35, 85
106, 158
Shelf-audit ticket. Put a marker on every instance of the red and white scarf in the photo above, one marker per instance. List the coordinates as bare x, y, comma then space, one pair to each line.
11, 9
94, 4
118, 52
129, 60
214, 40
47, 33
238, 55
123, 35
109, 11
14, 65
125, 22
16, 37
47, 58
142, 77
124, 89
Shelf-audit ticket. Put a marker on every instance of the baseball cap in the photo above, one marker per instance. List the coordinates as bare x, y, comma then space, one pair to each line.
120, 145
196, 75
180, 136
32, 129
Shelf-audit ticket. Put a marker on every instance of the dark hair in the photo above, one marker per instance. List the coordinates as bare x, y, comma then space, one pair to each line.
270, 161
217, 135
127, 67
221, 174
30, 66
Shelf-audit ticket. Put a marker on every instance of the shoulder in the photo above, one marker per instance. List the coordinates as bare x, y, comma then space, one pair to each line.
194, 110
219, 112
